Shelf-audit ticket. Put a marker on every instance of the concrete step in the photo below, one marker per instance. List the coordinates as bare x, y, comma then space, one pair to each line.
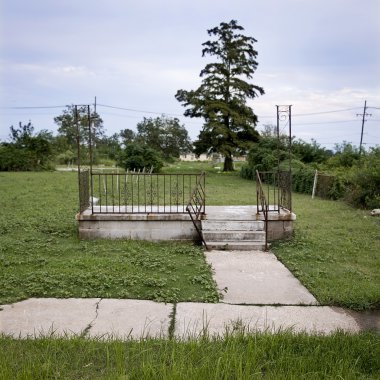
245, 245
233, 235
232, 225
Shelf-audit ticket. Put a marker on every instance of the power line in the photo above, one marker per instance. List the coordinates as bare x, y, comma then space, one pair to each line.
32, 107
324, 112
140, 111
325, 122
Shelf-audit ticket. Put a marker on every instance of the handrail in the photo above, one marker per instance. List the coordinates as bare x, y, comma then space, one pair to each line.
262, 205
197, 204
141, 193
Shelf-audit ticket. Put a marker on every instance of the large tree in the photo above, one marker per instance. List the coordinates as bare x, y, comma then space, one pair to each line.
164, 134
68, 130
221, 99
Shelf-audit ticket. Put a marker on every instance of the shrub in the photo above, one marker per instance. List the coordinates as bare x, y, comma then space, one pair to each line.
247, 172
364, 190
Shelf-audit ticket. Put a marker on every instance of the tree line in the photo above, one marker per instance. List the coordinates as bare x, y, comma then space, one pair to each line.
347, 173
161, 138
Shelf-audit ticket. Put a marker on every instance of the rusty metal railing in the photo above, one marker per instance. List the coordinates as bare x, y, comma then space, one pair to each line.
196, 205
141, 193
277, 187
84, 190
262, 204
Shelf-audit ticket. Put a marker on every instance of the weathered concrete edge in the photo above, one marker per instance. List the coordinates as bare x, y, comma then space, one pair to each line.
191, 320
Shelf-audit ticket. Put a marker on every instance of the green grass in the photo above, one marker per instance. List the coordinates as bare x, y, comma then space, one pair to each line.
41, 256
221, 188
239, 356
335, 253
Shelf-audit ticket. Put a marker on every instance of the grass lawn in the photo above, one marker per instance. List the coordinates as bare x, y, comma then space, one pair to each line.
256, 356
335, 252
41, 256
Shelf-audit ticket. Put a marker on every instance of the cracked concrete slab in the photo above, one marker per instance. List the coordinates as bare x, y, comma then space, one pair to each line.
193, 318
131, 318
256, 277
46, 316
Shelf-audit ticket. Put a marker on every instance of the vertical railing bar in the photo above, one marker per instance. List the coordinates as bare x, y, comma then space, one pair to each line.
151, 193
177, 193
132, 193
144, 176
138, 192
158, 193
170, 193
119, 188
101, 198
113, 192
125, 192
106, 191
164, 193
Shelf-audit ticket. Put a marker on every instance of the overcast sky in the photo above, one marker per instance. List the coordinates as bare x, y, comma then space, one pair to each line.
318, 56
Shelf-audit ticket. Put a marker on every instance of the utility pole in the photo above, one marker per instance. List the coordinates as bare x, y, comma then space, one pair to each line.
364, 114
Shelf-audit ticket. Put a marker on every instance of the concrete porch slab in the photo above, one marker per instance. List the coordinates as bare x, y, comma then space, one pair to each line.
47, 316
256, 277
245, 213
131, 319
194, 319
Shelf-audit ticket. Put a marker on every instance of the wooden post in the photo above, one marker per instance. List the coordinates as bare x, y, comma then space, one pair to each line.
315, 184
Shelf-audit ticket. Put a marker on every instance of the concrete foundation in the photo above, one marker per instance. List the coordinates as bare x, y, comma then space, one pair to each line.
149, 226
280, 224
156, 226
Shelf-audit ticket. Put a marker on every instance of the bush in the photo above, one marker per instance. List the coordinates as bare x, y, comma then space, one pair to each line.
364, 190
247, 172
139, 157
302, 180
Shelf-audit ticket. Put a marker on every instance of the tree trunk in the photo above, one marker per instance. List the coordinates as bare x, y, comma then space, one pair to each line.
228, 164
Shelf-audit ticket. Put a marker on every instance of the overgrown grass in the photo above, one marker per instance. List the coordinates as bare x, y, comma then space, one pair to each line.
335, 249
257, 356
335, 252
41, 256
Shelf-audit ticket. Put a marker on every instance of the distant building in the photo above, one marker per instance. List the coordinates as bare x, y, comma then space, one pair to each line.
194, 157
214, 157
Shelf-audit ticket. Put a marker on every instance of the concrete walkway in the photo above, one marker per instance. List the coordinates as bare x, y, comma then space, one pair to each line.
260, 294
256, 278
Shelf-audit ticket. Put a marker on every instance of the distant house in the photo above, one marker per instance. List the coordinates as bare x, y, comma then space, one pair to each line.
194, 157
205, 157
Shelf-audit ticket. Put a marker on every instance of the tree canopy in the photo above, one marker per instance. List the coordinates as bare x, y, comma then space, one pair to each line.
164, 134
67, 127
221, 99
27, 150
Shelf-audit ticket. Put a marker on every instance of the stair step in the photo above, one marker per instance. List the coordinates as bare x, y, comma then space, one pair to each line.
233, 225
233, 236
236, 245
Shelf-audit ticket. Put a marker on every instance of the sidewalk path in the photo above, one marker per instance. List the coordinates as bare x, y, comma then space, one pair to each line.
256, 278
261, 295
